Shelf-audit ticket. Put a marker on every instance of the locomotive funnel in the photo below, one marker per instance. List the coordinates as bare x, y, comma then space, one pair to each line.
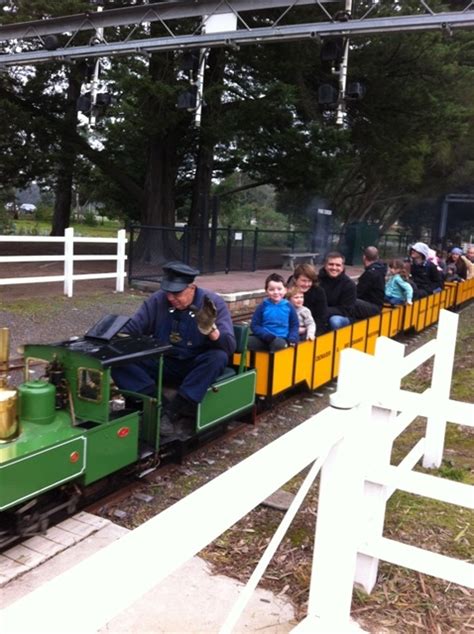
4, 349
8, 395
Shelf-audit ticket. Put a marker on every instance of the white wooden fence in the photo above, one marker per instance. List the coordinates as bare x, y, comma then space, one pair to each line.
68, 277
350, 443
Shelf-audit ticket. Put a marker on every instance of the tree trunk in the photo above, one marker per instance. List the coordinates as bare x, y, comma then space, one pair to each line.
66, 159
213, 87
156, 246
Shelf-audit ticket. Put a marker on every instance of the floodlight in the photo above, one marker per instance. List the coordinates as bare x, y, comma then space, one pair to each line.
327, 95
50, 42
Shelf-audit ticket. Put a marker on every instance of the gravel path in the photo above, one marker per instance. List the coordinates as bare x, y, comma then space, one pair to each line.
45, 319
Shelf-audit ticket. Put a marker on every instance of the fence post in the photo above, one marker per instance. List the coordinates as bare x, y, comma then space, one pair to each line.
339, 505
68, 261
228, 249
215, 206
255, 249
130, 254
440, 386
121, 242
185, 252
388, 358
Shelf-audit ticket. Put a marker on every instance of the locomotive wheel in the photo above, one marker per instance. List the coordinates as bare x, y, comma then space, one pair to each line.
72, 505
28, 524
43, 525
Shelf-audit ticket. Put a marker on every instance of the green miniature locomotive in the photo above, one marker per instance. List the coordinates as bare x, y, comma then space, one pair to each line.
71, 427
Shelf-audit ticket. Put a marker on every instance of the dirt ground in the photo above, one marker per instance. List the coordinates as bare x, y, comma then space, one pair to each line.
403, 601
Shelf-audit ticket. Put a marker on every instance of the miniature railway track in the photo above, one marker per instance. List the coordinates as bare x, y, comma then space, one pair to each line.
117, 487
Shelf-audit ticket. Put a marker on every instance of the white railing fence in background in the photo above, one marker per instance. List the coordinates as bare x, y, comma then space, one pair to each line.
350, 443
68, 277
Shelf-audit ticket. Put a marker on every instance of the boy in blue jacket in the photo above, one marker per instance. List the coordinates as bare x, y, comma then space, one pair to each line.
275, 322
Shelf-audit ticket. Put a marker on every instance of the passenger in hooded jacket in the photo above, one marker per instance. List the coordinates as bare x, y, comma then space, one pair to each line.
424, 273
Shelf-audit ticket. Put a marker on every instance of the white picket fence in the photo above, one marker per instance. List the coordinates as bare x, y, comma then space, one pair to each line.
350, 443
68, 277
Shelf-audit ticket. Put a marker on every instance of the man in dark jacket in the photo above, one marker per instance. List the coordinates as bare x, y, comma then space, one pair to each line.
340, 290
370, 285
197, 357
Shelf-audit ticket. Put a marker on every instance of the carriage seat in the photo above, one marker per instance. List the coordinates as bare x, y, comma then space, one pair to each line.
241, 333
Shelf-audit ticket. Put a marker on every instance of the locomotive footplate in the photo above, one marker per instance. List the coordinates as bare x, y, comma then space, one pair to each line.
120, 350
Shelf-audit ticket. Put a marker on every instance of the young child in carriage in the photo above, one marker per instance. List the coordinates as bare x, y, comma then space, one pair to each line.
307, 325
398, 289
274, 323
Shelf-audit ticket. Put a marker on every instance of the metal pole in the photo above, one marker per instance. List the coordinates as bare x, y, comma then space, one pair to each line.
228, 247
203, 53
255, 248
443, 221
341, 107
215, 204
185, 242
99, 34
203, 230
130, 255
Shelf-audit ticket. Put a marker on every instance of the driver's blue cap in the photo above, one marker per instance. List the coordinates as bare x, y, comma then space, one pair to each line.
176, 276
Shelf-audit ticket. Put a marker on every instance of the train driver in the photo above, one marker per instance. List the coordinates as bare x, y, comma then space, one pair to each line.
198, 325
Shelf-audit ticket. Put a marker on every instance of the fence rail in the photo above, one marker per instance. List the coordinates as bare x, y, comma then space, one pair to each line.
350, 443
69, 258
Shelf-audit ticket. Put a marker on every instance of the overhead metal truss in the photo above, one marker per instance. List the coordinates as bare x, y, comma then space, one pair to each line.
155, 12
165, 12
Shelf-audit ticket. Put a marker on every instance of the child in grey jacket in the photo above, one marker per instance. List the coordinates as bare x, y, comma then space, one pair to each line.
307, 325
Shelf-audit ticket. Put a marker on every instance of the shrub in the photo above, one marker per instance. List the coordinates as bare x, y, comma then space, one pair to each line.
7, 226
43, 213
90, 219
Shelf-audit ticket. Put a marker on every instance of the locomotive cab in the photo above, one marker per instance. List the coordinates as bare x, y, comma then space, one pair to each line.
73, 424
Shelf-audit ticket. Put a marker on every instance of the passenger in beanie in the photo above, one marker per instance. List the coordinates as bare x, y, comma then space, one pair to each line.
456, 267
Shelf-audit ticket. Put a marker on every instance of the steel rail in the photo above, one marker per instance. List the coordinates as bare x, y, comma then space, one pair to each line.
446, 21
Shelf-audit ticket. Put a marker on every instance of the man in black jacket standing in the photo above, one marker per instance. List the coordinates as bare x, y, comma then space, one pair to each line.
340, 290
370, 285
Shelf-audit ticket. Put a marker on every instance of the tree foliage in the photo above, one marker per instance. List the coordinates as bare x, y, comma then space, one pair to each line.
409, 139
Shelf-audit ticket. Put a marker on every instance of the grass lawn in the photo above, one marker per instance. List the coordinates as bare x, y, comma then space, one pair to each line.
107, 229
